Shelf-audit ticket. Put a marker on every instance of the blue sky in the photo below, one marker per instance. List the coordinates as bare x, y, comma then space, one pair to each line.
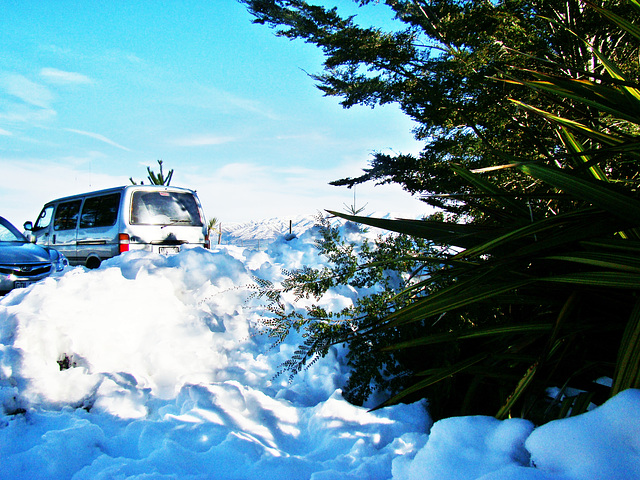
93, 92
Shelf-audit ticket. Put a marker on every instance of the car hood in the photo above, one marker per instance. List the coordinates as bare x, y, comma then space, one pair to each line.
19, 253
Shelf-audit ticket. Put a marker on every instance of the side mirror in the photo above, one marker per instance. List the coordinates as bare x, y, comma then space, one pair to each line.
28, 225
32, 238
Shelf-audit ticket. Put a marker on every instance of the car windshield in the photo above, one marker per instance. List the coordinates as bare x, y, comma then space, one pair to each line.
9, 233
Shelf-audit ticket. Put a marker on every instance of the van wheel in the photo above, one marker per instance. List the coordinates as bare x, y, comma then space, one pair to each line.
93, 262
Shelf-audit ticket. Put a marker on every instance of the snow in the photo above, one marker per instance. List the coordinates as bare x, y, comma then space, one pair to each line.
154, 367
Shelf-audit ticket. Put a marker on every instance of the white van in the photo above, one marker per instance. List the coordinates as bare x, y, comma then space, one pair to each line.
91, 227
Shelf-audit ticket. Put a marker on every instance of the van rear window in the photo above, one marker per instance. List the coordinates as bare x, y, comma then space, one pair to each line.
164, 208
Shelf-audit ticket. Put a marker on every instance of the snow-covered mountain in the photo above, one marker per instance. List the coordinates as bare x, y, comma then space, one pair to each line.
261, 232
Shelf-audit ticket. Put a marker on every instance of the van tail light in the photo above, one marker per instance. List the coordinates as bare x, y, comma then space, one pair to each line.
123, 240
207, 241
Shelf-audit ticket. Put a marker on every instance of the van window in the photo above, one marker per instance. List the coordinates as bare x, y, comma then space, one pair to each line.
44, 219
67, 215
100, 211
163, 208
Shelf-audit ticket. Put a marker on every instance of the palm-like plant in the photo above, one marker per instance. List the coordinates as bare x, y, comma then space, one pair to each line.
545, 290
156, 178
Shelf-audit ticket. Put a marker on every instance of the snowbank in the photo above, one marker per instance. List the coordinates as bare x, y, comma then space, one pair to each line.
152, 367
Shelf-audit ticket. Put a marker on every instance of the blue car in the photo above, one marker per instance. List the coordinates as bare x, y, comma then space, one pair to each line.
22, 262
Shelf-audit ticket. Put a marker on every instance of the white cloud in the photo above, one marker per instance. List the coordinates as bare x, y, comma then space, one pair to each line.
5, 132
202, 96
251, 106
97, 136
236, 192
30, 183
29, 92
315, 137
82, 160
61, 77
201, 140
239, 192
25, 113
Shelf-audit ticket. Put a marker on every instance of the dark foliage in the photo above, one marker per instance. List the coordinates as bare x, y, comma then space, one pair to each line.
530, 112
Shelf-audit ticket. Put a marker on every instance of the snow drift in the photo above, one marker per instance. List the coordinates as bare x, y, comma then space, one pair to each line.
154, 367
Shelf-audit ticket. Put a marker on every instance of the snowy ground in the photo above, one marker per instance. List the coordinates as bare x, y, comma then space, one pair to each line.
151, 368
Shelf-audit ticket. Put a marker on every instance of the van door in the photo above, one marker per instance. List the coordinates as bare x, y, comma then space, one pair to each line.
65, 223
98, 230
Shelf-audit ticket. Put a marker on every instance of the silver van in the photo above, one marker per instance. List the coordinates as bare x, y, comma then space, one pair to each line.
91, 227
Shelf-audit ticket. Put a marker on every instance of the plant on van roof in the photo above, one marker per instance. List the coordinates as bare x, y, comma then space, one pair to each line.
156, 179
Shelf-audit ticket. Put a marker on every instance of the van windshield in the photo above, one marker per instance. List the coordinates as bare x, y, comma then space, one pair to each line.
164, 208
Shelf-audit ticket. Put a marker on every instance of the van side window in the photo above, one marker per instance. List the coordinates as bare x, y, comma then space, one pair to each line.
100, 211
44, 219
66, 217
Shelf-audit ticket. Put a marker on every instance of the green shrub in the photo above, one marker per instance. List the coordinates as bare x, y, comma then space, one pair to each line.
539, 288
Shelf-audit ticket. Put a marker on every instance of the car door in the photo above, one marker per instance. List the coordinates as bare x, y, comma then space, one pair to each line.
65, 223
